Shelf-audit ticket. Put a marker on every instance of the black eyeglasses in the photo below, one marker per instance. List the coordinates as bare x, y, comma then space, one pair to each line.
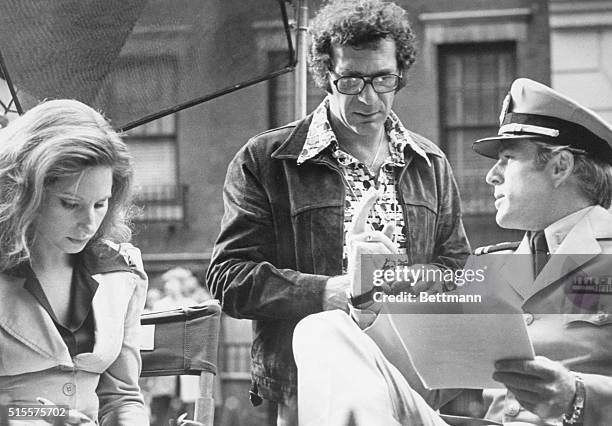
354, 85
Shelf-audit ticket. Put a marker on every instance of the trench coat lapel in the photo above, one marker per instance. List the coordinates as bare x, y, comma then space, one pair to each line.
22, 317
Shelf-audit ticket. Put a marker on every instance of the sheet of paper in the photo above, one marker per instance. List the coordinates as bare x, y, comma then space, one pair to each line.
459, 350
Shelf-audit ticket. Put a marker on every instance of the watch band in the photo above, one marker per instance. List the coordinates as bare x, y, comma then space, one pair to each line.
362, 298
576, 416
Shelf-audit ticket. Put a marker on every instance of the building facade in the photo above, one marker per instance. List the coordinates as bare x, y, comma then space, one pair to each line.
581, 42
469, 53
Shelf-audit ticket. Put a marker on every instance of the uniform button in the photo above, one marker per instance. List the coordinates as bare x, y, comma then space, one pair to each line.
513, 409
69, 389
601, 316
528, 318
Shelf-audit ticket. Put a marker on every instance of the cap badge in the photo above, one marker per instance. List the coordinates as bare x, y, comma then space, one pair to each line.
505, 108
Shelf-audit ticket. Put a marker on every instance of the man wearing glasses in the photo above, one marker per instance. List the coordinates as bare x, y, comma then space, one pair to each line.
553, 180
287, 248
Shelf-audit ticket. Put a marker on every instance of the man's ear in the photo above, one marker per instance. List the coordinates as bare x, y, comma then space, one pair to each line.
561, 167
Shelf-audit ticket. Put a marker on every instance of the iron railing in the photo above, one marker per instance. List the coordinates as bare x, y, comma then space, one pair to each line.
162, 203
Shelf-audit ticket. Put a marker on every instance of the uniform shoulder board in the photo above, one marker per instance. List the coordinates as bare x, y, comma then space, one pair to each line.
497, 247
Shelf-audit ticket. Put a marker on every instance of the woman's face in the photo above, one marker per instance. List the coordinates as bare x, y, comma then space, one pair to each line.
71, 212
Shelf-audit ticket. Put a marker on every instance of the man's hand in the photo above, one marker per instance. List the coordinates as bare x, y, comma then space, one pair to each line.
542, 386
362, 240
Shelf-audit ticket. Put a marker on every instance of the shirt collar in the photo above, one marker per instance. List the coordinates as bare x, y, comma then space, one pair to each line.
556, 232
320, 136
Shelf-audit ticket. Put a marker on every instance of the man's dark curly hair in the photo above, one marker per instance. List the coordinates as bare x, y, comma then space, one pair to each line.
358, 23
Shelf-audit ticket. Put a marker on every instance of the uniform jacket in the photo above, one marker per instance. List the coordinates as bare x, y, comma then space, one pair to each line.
572, 328
35, 362
282, 235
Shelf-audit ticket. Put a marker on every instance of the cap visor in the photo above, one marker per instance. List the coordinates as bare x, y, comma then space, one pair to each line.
489, 147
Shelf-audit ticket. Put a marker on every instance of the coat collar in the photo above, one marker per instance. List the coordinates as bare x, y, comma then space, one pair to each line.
579, 246
19, 310
97, 259
102, 259
293, 145
321, 136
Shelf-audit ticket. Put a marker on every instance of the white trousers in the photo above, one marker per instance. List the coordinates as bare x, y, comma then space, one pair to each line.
344, 379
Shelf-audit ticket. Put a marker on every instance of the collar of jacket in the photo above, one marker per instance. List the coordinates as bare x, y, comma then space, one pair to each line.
97, 259
42, 346
291, 147
587, 239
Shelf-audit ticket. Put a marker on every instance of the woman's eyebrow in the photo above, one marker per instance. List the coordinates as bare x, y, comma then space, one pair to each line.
66, 194
73, 196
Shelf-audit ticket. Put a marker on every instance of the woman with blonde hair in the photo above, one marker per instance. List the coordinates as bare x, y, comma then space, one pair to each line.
71, 288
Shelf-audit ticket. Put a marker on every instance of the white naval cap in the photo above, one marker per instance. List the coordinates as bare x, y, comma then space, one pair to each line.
534, 111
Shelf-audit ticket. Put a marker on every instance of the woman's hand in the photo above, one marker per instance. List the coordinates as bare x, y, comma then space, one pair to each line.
184, 421
74, 417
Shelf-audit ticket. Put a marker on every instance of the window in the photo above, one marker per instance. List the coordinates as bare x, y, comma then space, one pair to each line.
132, 87
281, 93
235, 359
474, 79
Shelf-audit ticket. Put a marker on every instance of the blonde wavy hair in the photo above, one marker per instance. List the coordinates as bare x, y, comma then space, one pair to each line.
56, 139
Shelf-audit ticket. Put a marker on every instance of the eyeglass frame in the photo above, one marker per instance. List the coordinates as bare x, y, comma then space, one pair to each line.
367, 79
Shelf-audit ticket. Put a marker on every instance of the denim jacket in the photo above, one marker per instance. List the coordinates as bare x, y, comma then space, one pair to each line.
282, 236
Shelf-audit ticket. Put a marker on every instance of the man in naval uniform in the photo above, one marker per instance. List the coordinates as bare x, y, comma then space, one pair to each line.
552, 179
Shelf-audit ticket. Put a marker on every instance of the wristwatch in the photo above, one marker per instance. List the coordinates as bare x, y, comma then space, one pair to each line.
362, 298
577, 413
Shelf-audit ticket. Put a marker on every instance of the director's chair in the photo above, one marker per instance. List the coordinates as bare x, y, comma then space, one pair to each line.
184, 341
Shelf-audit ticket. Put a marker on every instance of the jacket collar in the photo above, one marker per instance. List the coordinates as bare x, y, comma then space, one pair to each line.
292, 147
97, 259
102, 259
579, 246
109, 305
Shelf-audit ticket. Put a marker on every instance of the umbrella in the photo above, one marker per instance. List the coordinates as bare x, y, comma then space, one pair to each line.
137, 60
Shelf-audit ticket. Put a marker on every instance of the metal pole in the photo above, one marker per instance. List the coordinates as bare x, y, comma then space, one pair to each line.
302, 57
12, 89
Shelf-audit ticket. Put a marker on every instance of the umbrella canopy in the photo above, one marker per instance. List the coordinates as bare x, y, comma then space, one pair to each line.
137, 60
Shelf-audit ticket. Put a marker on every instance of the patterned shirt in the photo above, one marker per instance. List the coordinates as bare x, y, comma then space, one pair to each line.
358, 178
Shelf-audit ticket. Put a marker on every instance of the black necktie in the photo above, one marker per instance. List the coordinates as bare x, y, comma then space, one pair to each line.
539, 248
